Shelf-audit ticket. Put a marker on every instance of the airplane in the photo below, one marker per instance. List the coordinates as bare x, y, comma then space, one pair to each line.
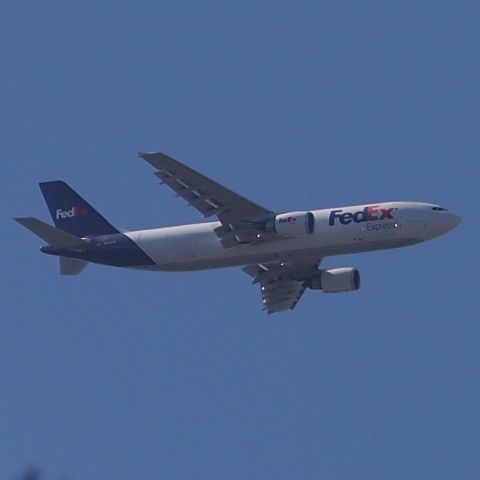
281, 251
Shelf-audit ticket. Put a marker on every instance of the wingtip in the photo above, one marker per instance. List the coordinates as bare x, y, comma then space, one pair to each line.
148, 154
155, 153
21, 220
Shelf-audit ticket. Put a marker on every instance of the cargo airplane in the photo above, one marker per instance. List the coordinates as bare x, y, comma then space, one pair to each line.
282, 251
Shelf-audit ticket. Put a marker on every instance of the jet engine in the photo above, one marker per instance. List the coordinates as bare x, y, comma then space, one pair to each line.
336, 280
292, 223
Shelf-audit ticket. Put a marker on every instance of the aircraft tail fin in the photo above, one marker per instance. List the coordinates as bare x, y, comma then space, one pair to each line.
71, 266
52, 235
71, 213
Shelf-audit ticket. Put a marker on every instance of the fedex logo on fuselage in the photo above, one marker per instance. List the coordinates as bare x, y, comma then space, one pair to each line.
371, 213
73, 212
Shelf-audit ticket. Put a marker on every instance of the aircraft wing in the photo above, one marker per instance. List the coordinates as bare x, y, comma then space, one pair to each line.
282, 283
239, 216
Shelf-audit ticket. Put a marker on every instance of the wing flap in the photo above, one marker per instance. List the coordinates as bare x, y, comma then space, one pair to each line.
281, 295
282, 283
236, 213
186, 181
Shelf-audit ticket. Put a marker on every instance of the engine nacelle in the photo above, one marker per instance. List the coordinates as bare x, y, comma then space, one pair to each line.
336, 280
292, 223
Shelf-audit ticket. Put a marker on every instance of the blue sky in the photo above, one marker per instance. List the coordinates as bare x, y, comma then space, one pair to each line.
120, 374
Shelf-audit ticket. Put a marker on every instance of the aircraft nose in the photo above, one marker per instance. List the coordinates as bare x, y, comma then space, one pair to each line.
454, 220
449, 221
442, 223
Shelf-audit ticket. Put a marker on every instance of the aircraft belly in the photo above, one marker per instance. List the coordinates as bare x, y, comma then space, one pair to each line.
182, 249
255, 257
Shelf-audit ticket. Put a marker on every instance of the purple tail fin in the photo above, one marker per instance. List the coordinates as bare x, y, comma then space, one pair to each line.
71, 213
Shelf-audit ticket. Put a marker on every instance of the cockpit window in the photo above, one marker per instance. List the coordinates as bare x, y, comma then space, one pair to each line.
439, 209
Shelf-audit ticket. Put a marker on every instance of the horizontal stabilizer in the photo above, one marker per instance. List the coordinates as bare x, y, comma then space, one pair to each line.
71, 266
52, 235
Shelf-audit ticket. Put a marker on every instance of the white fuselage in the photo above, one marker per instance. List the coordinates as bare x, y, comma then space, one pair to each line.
337, 231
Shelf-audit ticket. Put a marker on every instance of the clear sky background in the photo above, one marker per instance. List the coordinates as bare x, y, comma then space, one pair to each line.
118, 374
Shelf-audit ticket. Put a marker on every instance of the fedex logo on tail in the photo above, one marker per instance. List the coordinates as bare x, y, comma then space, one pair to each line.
371, 213
73, 212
